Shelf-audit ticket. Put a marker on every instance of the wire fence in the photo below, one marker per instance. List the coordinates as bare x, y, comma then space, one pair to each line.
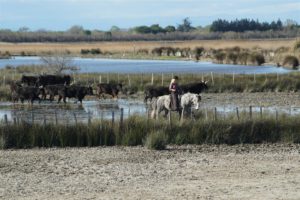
119, 114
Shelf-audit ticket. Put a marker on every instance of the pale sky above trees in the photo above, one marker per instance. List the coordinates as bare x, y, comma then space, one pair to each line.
102, 14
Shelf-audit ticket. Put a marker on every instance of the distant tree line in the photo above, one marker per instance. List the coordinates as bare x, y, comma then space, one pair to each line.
186, 26
243, 25
219, 29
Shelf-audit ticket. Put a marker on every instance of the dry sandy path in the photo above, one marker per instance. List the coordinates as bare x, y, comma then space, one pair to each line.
187, 172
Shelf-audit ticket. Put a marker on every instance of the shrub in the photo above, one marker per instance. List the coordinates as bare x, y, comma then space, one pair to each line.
156, 140
232, 57
142, 51
96, 51
198, 52
220, 56
85, 51
257, 59
291, 62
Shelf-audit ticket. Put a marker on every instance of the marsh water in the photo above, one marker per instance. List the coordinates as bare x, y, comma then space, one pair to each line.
104, 109
100, 65
92, 110
47, 112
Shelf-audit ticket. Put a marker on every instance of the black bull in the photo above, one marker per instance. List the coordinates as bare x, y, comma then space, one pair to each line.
108, 88
78, 92
44, 80
29, 93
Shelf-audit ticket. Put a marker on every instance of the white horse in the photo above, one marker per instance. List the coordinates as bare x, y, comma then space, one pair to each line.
187, 101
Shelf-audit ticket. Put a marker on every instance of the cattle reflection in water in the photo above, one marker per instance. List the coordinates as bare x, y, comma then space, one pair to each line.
69, 113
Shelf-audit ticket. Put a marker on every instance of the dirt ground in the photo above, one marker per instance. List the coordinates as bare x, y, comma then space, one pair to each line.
267, 171
254, 99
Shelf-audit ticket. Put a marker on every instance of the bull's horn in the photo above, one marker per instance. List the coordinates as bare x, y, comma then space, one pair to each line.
206, 82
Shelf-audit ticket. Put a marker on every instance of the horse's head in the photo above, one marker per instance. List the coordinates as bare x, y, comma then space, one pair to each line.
195, 100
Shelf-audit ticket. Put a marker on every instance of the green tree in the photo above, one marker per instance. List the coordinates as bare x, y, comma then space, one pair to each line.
155, 28
170, 29
115, 29
186, 25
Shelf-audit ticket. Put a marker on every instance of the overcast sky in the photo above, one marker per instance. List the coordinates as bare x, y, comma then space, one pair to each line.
102, 14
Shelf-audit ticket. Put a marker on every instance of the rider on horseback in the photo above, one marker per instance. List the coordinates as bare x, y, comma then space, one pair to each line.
174, 90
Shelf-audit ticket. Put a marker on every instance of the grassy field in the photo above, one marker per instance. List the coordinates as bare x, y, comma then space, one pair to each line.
154, 134
125, 47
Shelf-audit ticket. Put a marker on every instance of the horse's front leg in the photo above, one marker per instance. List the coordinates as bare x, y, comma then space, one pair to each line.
166, 113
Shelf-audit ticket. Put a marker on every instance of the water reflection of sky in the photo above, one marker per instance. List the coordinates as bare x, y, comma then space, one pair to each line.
104, 109
93, 110
149, 66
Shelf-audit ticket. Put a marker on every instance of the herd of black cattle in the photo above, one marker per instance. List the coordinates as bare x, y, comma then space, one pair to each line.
40, 87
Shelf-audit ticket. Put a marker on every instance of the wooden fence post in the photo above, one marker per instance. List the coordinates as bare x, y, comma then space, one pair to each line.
212, 78
89, 118
45, 121
141, 79
100, 79
254, 78
261, 112
55, 115
75, 118
112, 119
3, 80
237, 113
32, 118
162, 79
107, 78
206, 114
233, 78
152, 79
129, 82
215, 114
5, 119
121, 119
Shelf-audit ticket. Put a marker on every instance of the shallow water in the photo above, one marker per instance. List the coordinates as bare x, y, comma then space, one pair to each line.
71, 112
47, 112
89, 65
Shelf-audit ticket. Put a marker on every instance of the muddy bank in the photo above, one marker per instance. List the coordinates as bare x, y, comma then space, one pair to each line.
187, 172
253, 99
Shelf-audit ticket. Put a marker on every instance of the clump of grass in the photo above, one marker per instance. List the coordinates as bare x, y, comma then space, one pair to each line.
291, 62
297, 45
156, 140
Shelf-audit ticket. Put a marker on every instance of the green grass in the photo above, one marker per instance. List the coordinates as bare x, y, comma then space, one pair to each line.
153, 134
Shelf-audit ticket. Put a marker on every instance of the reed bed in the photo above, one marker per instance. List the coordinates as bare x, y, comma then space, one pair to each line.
137, 130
